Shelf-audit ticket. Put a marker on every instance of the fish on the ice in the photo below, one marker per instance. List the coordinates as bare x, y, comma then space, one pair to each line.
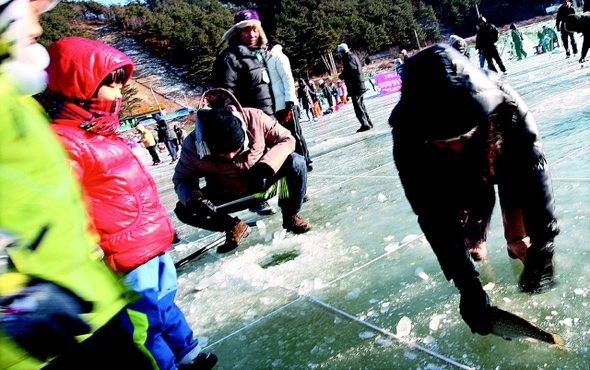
510, 326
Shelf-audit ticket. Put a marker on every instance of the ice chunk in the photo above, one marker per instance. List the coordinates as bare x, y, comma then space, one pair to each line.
435, 322
410, 355
261, 227
421, 274
268, 237
383, 342
404, 326
507, 300
353, 294
382, 198
392, 247
567, 322
429, 339
366, 334
489, 286
579, 291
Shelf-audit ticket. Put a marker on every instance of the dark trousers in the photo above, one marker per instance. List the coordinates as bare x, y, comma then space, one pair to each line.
115, 346
294, 170
292, 124
154, 154
172, 149
491, 54
360, 110
564, 37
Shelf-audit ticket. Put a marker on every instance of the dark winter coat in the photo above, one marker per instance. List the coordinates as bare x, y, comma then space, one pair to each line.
487, 36
563, 12
164, 132
304, 93
352, 74
242, 71
452, 192
580, 23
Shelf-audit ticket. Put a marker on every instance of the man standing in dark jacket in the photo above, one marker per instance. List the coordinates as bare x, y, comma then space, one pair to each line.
166, 136
449, 169
487, 36
352, 74
241, 69
580, 23
564, 10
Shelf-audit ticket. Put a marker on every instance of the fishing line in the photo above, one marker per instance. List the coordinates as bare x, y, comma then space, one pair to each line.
351, 178
569, 155
396, 337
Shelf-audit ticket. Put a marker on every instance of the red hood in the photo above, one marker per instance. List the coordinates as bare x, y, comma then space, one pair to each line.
79, 65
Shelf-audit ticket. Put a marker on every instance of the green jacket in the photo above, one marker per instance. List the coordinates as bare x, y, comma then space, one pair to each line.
37, 191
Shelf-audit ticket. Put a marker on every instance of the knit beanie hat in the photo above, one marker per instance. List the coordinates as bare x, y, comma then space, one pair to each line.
243, 19
222, 130
342, 48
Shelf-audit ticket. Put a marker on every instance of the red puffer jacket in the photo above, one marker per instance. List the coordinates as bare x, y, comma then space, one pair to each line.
133, 225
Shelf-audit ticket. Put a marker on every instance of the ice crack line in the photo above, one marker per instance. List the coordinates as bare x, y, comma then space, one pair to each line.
383, 331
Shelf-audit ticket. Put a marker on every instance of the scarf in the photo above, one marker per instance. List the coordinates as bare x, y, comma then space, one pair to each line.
98, 116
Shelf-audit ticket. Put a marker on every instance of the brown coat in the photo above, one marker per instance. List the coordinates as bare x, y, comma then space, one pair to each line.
269, 142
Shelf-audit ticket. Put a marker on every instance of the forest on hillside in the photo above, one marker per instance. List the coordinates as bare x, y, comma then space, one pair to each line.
189, 31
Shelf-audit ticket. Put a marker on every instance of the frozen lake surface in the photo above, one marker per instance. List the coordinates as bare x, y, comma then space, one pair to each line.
363, 289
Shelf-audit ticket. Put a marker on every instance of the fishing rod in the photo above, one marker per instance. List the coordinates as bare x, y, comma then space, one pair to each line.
279, 187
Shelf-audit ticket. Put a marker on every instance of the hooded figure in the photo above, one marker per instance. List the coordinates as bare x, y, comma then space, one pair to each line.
134, 227
448, 168
241, 67
485, 42
148, 141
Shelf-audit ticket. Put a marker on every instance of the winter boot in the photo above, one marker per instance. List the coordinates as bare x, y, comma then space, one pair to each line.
204, 361
234, 236
295, 224
263, 209
537, 276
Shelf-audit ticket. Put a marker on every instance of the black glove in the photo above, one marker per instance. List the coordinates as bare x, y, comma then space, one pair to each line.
259, 177
289, 106
537, 276
201, 206
474, 306
43, 319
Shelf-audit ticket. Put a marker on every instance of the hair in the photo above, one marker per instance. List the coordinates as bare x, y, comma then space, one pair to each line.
118, 76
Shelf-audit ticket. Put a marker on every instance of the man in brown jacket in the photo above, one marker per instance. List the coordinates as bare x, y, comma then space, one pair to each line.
238, 151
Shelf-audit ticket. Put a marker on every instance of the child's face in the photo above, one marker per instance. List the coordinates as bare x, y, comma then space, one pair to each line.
249, 36
110, 92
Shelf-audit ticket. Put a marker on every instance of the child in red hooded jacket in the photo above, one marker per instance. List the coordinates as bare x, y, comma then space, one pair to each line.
83, 99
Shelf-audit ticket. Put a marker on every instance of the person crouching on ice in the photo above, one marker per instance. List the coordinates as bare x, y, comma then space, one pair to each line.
449, 161
238, 151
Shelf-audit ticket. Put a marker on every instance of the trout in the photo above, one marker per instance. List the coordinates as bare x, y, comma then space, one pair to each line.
510, 326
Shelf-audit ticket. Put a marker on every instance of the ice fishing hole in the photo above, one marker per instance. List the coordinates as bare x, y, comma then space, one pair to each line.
279, 258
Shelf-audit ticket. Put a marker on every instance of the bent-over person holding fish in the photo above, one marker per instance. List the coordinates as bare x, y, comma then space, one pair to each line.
475, 134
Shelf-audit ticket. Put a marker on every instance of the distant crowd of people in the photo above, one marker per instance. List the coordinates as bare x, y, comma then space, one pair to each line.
247, 139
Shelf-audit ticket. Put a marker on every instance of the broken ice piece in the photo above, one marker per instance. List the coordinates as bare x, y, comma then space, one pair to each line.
421, 274
382, 198
404, 326
489, 286
366, 334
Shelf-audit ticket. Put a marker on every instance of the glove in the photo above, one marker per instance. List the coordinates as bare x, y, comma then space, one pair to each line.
43, 319
474, 306
288, 110
537, 276
201, 206
258, 177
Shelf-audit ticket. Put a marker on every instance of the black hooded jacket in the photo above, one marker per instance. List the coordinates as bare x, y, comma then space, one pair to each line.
452, 192
242, 71
352, 74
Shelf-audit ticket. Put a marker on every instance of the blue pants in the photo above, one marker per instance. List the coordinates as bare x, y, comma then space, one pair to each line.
168, 338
